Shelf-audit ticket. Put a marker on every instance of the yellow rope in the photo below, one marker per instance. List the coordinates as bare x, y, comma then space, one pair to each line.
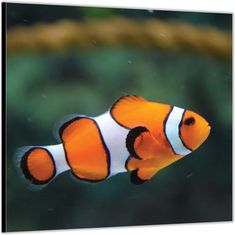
151, 33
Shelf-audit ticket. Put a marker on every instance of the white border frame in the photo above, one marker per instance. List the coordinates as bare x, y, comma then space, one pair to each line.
218, 6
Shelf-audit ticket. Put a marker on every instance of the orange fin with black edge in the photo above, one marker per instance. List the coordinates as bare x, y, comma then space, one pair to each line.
36, 166
141, 144
127, 102
142, 147
140, 176
127, 109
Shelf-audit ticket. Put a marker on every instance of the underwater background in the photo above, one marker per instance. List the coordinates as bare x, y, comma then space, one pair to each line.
46, 86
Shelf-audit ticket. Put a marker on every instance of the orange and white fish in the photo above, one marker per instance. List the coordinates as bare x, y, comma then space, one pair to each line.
134, 135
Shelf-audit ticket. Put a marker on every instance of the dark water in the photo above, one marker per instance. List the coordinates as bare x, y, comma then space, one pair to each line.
41, 89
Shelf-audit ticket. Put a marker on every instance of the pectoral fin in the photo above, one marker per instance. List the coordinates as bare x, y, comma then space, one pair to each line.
146, 155
141, 144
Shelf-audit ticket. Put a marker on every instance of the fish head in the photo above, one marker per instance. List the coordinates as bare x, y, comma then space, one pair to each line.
194, 129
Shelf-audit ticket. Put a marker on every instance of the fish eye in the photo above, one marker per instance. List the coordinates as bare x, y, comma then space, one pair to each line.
189, 121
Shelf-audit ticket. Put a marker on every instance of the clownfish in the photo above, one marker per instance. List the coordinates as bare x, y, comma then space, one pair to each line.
134, 135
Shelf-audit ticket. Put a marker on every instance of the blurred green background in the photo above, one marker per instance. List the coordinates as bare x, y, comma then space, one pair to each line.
43, 88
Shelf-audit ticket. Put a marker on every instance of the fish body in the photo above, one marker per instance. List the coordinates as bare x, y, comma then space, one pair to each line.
134, 135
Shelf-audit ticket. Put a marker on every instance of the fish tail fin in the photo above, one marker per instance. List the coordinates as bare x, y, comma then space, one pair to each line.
38, 166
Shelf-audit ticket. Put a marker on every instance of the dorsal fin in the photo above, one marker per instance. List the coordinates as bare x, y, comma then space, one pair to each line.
127, 108
128, 100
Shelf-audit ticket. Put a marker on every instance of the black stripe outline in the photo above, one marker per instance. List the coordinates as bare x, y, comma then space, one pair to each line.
135, 179
180, 124
130, 140
65, 125
164, 128
26, 172
127, 161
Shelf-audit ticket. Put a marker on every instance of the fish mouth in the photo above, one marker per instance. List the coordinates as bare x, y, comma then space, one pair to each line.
208, 129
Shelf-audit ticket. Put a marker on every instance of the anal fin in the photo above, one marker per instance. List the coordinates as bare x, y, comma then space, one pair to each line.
140, 176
